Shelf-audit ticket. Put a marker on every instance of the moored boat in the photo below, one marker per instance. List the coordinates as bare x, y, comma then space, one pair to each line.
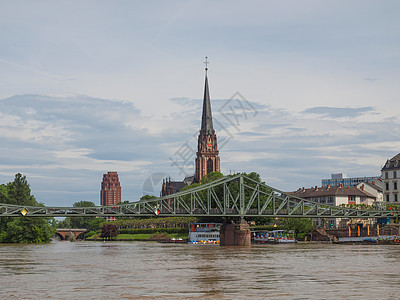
205, 233
274, 237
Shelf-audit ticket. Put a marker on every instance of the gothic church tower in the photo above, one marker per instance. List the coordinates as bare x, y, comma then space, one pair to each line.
207, 159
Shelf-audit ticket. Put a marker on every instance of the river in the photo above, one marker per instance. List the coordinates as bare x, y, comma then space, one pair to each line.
147, 270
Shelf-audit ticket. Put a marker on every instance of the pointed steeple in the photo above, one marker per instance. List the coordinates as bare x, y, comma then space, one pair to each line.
206, 120
207, 159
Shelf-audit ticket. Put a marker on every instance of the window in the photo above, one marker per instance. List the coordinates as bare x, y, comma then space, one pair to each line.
394, 174
387, 198
395, 198
352, 199
209, 166
387, 186
386, 175
395, 185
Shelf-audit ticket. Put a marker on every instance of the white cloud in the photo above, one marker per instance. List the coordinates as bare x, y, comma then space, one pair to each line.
324, 81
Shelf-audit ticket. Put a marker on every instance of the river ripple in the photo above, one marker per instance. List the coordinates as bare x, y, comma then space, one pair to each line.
146, 270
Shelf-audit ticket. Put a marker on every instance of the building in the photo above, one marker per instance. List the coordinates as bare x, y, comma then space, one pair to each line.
207, 155
390, 179
335, 195
342, 179
110, 193
374, 188
207, 159
170, 187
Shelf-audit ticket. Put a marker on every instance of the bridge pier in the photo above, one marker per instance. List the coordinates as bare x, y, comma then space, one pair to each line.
235, 234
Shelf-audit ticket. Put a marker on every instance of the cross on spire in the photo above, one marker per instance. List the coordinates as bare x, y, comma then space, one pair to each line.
206, 63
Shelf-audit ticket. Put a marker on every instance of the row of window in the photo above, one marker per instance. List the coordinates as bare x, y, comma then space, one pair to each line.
387, 174
208, 235
329, 199
387, 186
396, 198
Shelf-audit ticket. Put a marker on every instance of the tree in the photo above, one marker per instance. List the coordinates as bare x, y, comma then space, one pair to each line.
23, 229
78, 222
301, 226
211, 177
146, 197
109, 231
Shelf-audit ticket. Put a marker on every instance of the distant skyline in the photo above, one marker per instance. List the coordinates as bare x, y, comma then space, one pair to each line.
320, 81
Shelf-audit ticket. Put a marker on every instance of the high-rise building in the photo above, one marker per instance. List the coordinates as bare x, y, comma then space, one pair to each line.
110, 193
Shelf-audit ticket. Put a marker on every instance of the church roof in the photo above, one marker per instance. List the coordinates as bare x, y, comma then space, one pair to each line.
393, 163
206, 120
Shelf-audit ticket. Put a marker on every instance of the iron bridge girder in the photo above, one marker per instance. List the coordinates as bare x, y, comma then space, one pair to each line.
231, 196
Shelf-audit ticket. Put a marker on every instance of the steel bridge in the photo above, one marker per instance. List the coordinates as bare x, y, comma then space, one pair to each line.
231, 196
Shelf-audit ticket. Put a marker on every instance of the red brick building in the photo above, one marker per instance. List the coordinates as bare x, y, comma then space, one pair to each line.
207, 155
110, 193
207, 159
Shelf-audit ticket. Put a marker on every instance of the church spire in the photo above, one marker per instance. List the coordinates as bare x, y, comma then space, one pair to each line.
206, 120
207, 159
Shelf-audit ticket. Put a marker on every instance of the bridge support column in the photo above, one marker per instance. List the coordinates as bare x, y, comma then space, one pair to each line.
235, 234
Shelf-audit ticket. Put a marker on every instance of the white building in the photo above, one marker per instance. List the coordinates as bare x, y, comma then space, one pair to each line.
336, 195
390, 178
374, 188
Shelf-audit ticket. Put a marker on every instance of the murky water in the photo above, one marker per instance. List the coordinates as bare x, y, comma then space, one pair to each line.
145, 270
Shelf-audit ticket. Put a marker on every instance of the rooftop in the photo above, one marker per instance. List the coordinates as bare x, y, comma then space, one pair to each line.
330, 191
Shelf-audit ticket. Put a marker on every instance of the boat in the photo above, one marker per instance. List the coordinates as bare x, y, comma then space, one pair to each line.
173, 241
274, 237
204, 233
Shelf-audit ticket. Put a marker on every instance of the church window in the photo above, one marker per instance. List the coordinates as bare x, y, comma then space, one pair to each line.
209, 166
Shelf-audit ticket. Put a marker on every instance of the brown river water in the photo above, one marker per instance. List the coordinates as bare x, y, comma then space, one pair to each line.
146, 270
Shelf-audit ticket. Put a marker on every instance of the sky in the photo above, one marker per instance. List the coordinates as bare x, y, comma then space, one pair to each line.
299, 90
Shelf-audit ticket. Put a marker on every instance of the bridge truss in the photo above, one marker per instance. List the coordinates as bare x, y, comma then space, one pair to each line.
232, 196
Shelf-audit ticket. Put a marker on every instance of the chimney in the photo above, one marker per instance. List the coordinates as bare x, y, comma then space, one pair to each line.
340, 185
329, 186
373, 182
362, 187
304, 188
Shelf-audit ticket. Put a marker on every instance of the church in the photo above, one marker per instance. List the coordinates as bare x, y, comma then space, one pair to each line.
207, 159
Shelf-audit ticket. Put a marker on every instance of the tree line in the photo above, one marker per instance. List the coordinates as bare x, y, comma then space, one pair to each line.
21, 229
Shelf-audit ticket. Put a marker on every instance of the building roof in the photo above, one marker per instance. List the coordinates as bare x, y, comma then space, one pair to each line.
177, 186
330, 191
374, 184
393, 163
189, 179
206, 120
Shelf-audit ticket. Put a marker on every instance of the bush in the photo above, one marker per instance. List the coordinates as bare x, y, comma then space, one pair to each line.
159, 236
153, 230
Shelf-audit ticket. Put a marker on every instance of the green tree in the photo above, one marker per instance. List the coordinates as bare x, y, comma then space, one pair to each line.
78, 222
146, 197
23, 229
301, 226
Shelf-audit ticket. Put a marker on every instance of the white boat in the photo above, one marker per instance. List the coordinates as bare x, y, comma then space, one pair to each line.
274, 237
206, 233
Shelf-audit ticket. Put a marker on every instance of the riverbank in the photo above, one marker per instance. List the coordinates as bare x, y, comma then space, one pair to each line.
141, 237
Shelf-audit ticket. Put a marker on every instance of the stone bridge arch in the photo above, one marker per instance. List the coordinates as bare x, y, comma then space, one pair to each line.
70, 233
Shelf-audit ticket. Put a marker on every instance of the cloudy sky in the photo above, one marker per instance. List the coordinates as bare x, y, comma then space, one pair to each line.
300, 90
